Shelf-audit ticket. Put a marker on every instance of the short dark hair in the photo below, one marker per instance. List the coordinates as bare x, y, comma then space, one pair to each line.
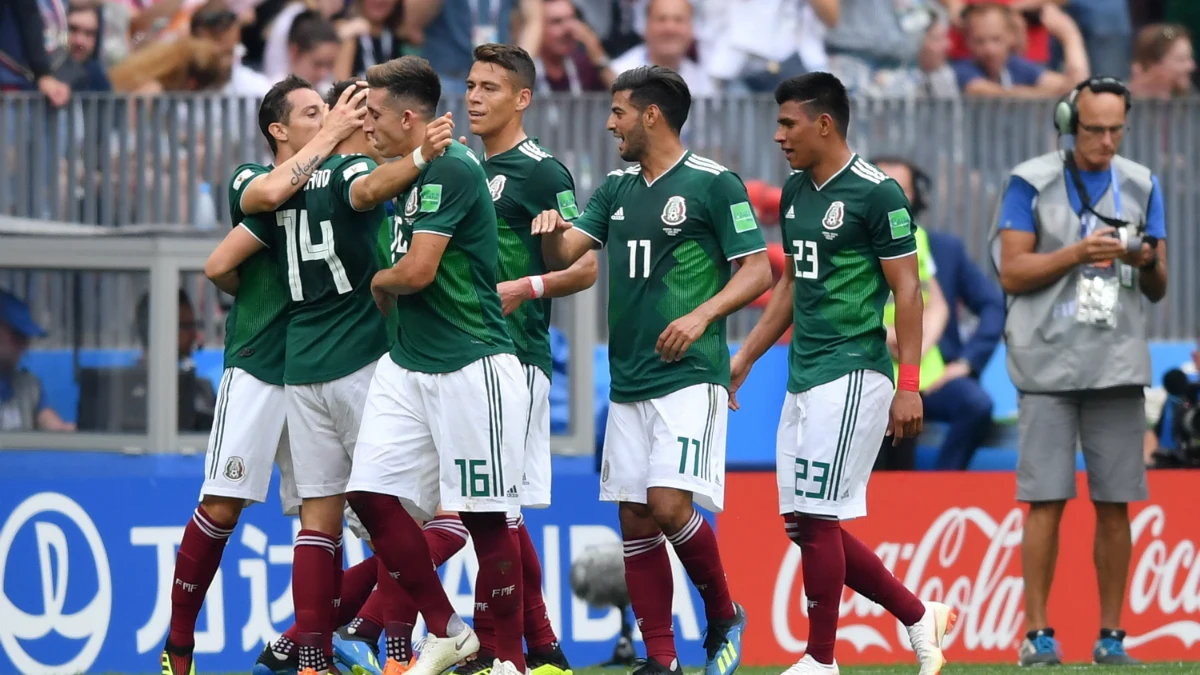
310, 30
214, 17
820, 94
410, 78
335, 92
662, 87
511, 58
276, 107
142, 314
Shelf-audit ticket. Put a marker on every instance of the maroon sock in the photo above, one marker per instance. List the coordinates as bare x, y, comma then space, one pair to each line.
652, 592
499, 583
866, 574
339, 572
539, 634
824, 567
196, 564
357, 583
399, 618
313, 580
402, 549
696, 546
446, 535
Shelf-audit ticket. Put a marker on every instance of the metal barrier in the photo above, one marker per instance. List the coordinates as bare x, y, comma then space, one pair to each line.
118, 161
168, 259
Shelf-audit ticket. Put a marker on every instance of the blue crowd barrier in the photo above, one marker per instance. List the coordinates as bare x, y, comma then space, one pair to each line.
87, 549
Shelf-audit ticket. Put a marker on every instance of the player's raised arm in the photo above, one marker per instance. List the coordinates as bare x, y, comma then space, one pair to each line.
389, 180
733, 221
243, 241
267, 192
565, 239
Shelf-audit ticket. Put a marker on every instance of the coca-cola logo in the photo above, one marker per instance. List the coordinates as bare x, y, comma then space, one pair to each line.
965, 559
1165, 579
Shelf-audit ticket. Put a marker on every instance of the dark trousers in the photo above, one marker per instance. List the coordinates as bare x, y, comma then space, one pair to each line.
967, 408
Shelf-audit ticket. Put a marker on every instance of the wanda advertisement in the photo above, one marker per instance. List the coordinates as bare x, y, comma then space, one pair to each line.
956, 538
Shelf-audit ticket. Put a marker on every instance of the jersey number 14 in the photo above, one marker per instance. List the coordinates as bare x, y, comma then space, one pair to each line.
309, 251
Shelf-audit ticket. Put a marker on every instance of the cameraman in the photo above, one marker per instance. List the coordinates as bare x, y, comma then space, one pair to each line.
1082, 241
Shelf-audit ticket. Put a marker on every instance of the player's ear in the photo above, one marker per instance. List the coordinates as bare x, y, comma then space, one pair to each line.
278, 132
524, 98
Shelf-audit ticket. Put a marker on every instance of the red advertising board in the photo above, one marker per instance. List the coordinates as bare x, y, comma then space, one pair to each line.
956, 538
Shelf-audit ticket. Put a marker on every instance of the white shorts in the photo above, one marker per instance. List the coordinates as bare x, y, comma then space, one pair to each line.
455, 438
535, 486
827, 442
323, 420
675, 441
248, 438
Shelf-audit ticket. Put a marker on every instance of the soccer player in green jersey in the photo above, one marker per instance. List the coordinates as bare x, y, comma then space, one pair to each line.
247, 438
674, 223
446, 414
525, 179
849, 232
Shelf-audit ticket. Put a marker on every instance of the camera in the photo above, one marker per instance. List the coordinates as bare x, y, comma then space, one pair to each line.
1131, 238
1179, 436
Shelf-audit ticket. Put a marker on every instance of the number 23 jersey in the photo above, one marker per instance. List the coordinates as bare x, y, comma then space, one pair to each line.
835, 236
670, 246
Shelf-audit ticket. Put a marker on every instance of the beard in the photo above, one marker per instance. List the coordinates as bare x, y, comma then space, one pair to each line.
635, 144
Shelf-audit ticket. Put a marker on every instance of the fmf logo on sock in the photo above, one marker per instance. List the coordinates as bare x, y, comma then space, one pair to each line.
501, 592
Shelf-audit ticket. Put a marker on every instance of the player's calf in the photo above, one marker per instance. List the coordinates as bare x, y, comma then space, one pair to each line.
499, 585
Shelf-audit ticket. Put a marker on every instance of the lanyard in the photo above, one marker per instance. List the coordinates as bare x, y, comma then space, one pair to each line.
1086, 218
570, 69
366, 46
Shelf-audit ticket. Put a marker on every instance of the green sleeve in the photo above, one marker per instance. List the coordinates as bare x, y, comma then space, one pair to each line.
732, 217
554, 188
348, 171
262, 226
242, 177
594, 220
785, 200
890, 222
447, 195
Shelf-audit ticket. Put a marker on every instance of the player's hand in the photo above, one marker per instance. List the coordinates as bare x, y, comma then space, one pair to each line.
739, 368
954, 370
348, 113
547, 222
513, 293
679, 336
439, 134
384, 300
1100, 246
907, 416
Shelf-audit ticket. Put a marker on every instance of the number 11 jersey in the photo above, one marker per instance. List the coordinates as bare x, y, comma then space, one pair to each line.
327, 253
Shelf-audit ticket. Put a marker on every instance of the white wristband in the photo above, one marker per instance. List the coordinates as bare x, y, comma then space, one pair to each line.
539, 286
418, 160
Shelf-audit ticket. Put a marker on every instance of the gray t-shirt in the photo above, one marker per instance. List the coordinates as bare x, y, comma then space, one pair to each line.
18, 412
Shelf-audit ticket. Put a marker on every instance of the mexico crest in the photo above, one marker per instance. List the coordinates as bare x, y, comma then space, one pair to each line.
413, 203
496, 186
235, 469
834, 216
675, 212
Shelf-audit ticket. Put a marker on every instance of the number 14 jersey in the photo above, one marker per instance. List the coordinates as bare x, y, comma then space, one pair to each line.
670, 243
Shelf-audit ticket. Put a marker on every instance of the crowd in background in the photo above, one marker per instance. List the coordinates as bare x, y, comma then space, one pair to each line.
936, 48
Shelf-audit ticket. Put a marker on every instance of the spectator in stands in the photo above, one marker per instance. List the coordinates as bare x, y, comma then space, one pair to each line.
1163, 62
375, 35
956, 397
183, 64
571, 59
276, 61
876, 41
1032, 38
619, 24
461, 25
935, 75
993, 67
742, 51
203, 403
25, 64
215, 21
313, 49
1077, 345
1107, 34
22, 404
668, 39
83, 35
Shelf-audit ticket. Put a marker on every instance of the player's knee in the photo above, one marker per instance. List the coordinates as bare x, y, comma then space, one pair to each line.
671, 509
1111, 514
323, 514
637, 521
223, 511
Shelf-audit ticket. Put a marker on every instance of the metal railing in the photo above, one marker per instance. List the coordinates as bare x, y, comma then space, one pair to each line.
118, 161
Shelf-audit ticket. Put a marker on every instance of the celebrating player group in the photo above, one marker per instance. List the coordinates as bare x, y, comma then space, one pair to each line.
397, 370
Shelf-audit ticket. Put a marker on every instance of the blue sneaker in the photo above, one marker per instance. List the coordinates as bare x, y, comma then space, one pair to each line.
271, 662
723, 643
356, 653
1040, 649
1110, 650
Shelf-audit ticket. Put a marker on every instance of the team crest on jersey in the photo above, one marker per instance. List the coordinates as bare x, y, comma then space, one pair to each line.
673, 215
235, 469
834, 216
413, 203
496, 186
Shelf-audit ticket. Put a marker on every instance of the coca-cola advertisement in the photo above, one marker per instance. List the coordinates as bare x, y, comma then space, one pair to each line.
956, 538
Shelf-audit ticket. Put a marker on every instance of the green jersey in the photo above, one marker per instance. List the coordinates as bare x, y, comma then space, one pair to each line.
456, 319
525, 181
670, 246
256, 326
327, 254
836, 234
383, 256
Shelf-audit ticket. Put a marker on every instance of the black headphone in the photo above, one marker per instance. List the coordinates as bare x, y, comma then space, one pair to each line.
922, 183
1066, 114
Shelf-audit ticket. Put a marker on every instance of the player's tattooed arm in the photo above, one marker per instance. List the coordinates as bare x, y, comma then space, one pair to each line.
751, 280
222, 265
389, 180
269, 191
